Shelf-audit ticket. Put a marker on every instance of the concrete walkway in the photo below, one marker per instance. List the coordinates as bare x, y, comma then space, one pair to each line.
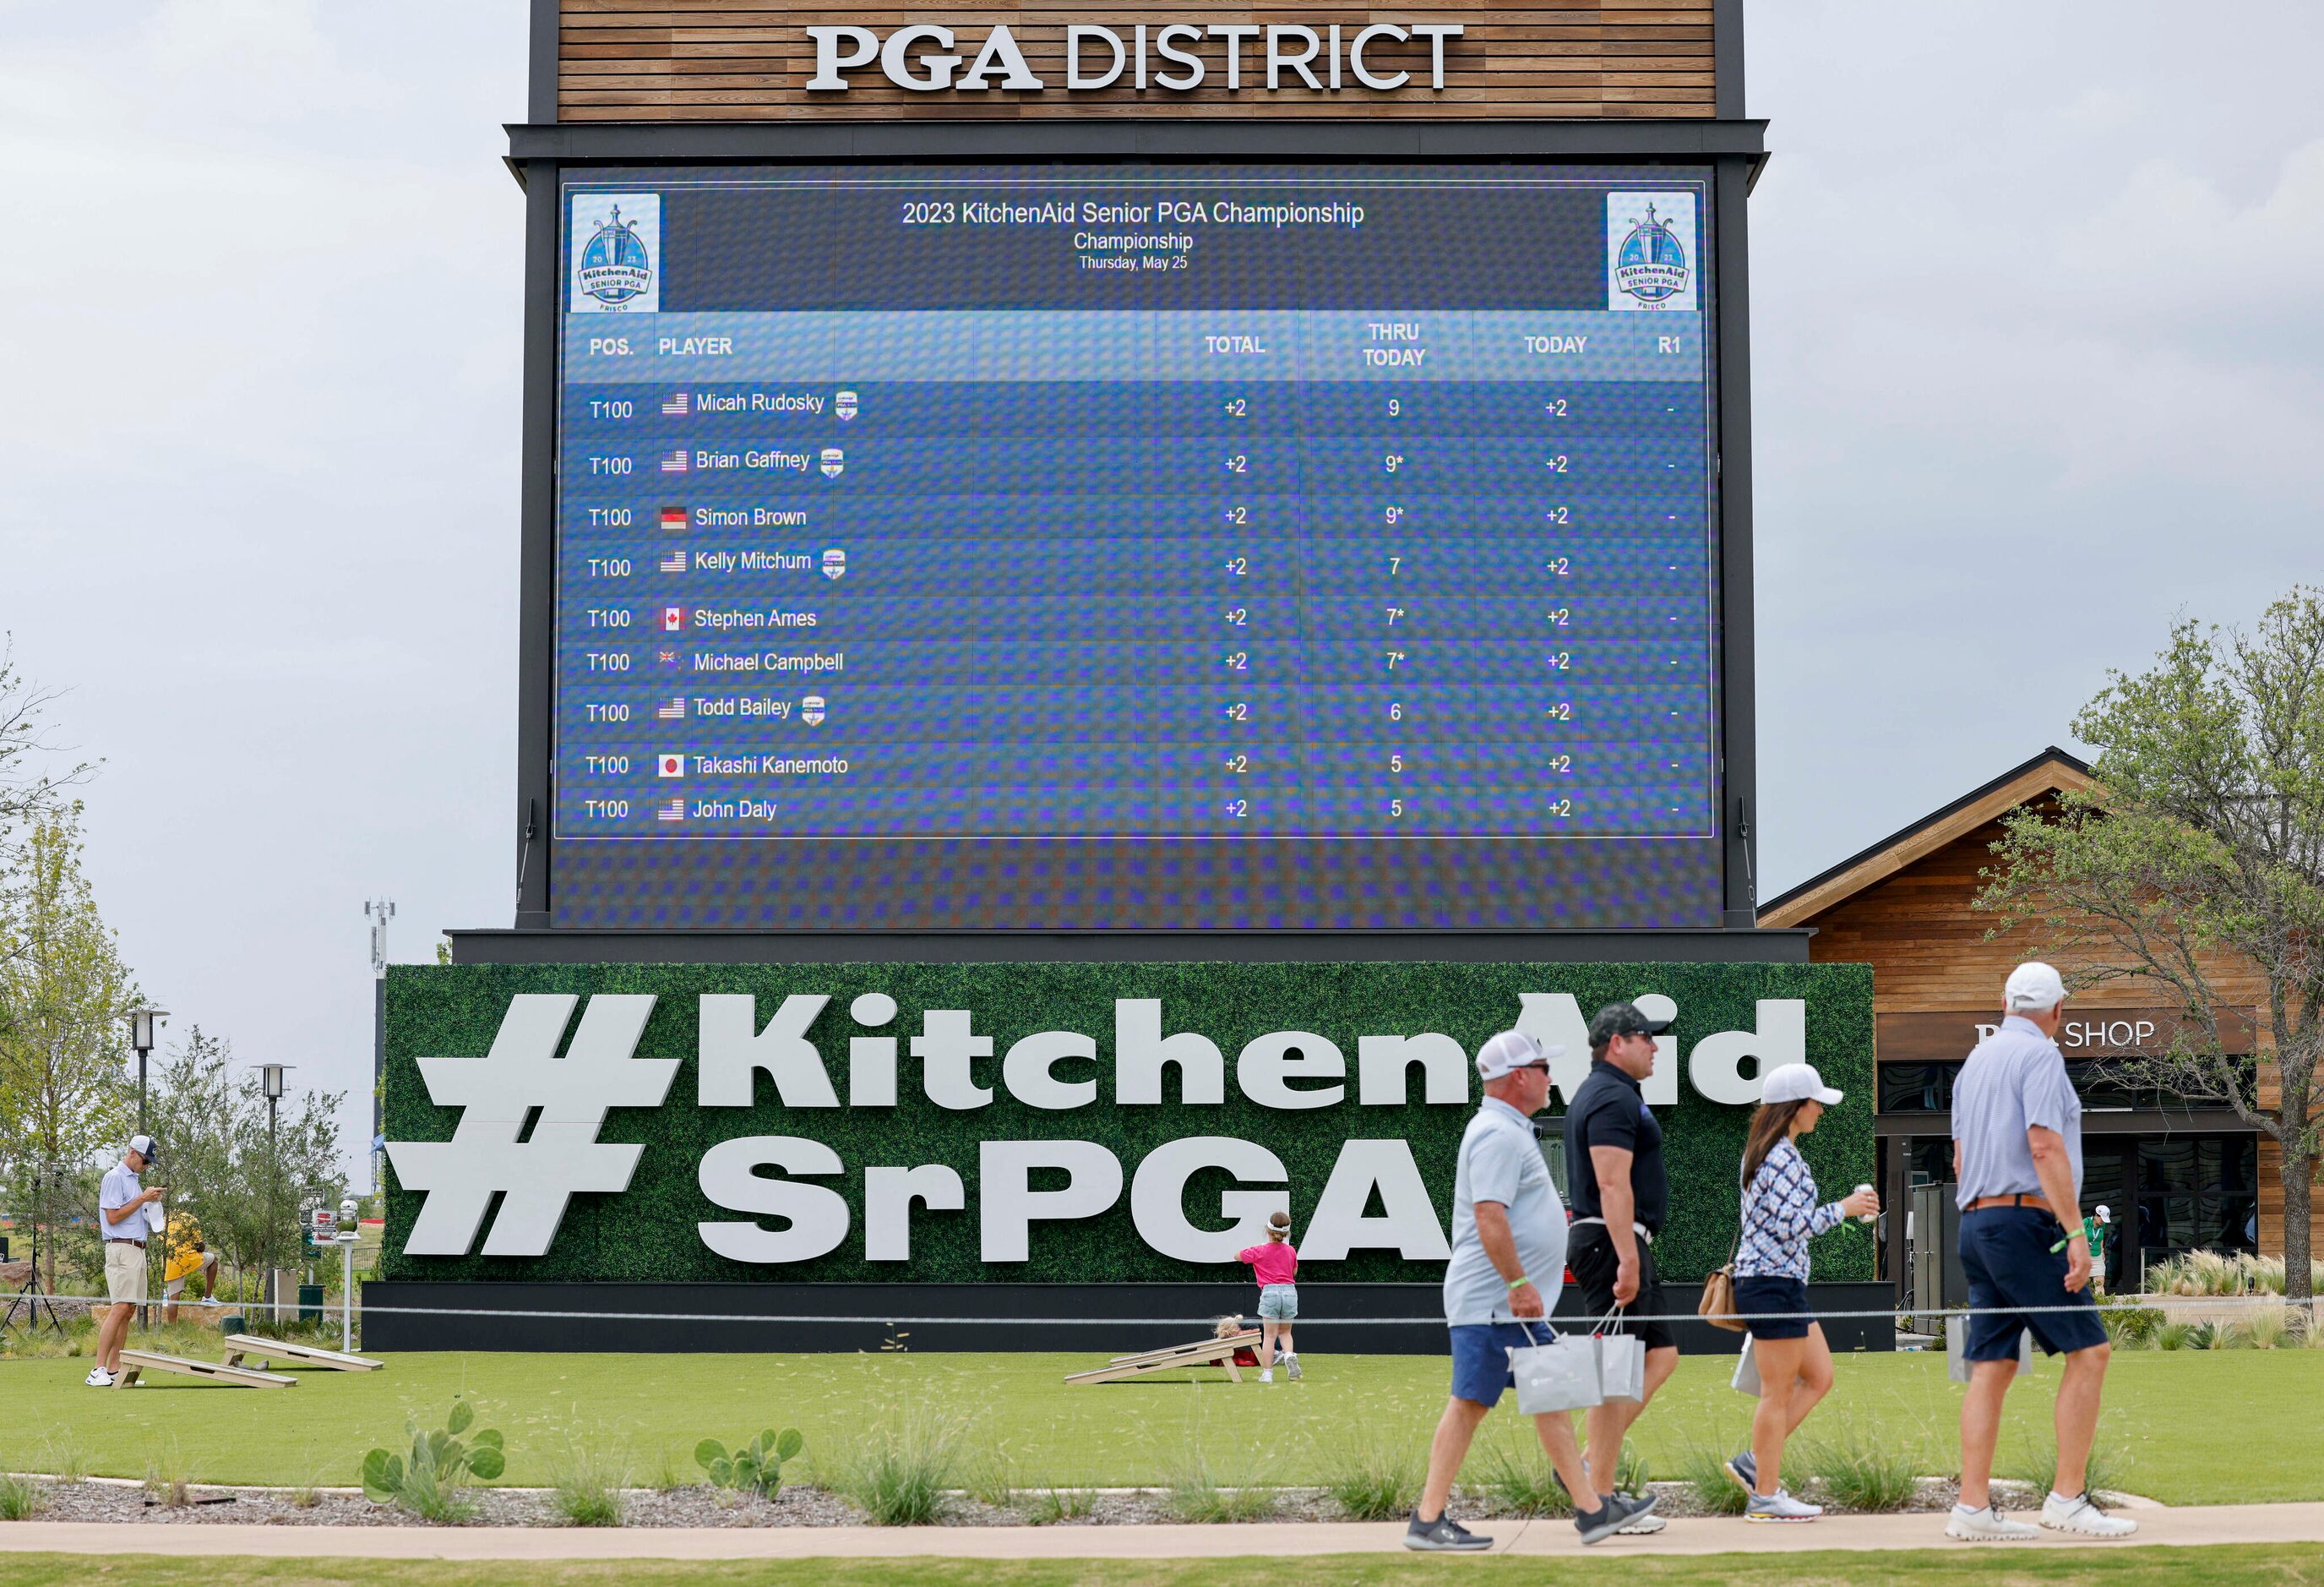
2256, 1523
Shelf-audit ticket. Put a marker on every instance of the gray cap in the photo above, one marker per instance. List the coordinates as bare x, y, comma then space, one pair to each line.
1622, 1020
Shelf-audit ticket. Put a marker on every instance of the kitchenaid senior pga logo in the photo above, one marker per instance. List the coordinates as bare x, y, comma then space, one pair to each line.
529, 1122
1649, 250
617, 252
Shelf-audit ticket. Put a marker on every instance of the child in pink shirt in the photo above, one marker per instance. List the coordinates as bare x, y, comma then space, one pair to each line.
1274, 1265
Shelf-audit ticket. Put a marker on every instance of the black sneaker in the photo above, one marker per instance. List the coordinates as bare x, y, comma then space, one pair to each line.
1618, 1512
1442, 1536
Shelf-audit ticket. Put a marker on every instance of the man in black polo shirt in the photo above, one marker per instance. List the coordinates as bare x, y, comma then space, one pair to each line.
1621, 1193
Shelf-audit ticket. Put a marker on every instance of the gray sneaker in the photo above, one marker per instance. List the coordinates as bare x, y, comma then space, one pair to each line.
1291, 1365
1745, 1469
1614, 1515
1443, 1535
1780, 1507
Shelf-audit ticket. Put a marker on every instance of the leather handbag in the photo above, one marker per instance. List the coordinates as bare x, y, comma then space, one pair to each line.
1717, 1306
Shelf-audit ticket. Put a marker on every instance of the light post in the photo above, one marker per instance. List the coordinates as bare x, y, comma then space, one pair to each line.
270, 1081
142, 1018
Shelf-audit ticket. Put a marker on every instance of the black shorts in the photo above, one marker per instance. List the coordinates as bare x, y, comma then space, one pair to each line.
1774, 1307
1592, 1257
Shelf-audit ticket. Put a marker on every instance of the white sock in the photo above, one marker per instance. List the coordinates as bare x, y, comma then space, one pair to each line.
2063, 1498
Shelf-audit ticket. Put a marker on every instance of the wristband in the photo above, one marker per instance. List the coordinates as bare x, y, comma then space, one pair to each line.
1519, 1282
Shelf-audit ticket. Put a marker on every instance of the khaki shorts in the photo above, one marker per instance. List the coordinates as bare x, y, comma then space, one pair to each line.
124, 1273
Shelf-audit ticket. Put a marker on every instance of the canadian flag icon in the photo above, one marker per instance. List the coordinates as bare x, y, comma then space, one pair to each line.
673, 619
672, 765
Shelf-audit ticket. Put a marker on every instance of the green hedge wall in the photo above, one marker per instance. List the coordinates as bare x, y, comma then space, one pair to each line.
648, 1235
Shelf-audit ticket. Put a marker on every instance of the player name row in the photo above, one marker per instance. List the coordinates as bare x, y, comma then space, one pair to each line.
1570, 764
1049, 466
1383, 661
598, 716
1413, 557
1570, 408
1129, 616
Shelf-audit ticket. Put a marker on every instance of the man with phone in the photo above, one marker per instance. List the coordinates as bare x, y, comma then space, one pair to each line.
124, 1222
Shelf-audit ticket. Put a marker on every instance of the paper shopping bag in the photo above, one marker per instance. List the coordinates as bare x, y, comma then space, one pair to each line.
1957, 1349
1621, 1365
1559, 1376
1747, 1370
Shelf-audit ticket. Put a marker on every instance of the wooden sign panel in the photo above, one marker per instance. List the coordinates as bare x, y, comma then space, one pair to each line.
2088, 1033
750, 60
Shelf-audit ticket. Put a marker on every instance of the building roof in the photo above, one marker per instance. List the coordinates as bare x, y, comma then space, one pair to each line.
2053, 770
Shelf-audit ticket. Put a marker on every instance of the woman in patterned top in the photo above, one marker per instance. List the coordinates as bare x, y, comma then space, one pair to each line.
1780, 1215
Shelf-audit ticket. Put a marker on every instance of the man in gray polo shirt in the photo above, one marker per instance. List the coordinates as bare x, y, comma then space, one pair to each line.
121, 1204
1508, 1264
2018, 1158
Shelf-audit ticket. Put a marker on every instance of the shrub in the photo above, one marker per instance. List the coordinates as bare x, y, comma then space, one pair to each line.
1373, 1481
1201, 1493
2174, 1336
2266, 1328
757, 1467
165, 1480
991, 1481
1704, 1471
1059, 1504
431, 1483
1521, 1481
20, 1499
899, 1470
1862, 1472
587, 1489
2132, 1327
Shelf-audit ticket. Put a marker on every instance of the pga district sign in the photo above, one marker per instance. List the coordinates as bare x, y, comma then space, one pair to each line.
829, 1129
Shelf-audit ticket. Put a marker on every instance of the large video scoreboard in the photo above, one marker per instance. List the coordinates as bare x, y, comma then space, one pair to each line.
1149, 546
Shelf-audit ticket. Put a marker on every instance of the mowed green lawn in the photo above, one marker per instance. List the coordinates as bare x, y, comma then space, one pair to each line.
2186, 1428
1959, 1567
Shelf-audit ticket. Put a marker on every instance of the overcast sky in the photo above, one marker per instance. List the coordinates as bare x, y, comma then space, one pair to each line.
2038, 295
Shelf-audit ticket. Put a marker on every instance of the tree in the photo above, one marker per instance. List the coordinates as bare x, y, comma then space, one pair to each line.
2198, 857
212, 1124
28, 784
64, 1093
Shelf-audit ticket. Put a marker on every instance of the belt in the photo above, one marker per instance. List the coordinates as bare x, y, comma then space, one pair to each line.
2024, 1198
138, 1244
1640, 1230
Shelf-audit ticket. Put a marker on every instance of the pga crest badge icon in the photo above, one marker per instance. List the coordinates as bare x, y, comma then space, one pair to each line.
617, 251
1650, 261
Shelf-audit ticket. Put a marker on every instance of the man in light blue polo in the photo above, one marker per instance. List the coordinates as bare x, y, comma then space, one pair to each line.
1508, 1264
123, 1218
2018, 1158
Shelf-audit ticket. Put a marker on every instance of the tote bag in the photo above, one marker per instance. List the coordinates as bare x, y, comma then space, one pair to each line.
1559, 1376
1746, 1371
1621, 1362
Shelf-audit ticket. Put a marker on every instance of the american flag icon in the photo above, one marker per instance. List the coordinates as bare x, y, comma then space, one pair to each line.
675, 462
674, 403
670, 809
675, 562
673, 711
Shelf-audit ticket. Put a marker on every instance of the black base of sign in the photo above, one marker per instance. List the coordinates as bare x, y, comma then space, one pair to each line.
1074, 1318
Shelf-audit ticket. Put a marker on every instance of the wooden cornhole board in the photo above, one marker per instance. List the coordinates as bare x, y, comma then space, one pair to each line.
135, 1361
1203, 1352
243, 1347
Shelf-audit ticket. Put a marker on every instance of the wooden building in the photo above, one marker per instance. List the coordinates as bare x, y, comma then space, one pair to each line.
2177, 1176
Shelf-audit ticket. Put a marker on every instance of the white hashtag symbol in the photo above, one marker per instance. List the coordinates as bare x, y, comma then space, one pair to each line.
562, 1154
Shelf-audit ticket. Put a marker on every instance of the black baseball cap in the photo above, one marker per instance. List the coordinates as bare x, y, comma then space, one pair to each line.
1622, 1020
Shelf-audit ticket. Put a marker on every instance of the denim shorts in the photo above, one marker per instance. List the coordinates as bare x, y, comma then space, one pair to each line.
1278, 1302
1755, 1299
1481, 1357
2006, 1256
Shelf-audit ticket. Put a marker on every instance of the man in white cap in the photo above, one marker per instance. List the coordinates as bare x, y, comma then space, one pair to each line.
1508, 1264
2018, 1158
122, 1220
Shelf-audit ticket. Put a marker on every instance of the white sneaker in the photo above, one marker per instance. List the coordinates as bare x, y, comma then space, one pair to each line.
1267, 1374
2079, 1514
1643, 1526
1291, 1368
99, 1378
1780, 1507
1986, 1525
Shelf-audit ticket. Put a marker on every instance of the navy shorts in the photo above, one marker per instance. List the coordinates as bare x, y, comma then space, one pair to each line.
1481, 1358
1755, 1298
2006, 1255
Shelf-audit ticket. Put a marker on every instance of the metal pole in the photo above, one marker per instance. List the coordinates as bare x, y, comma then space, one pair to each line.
347, 1294
141, 1091
273, 1173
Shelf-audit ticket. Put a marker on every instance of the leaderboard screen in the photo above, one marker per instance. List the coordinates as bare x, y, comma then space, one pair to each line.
1155, 547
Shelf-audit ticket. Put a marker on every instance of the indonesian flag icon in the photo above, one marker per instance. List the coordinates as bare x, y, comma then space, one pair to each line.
673, 619
671, 765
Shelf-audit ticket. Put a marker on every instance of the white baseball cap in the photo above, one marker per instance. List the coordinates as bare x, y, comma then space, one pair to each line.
1512, 1050
2034, 985
143, 1145
1797, 1083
